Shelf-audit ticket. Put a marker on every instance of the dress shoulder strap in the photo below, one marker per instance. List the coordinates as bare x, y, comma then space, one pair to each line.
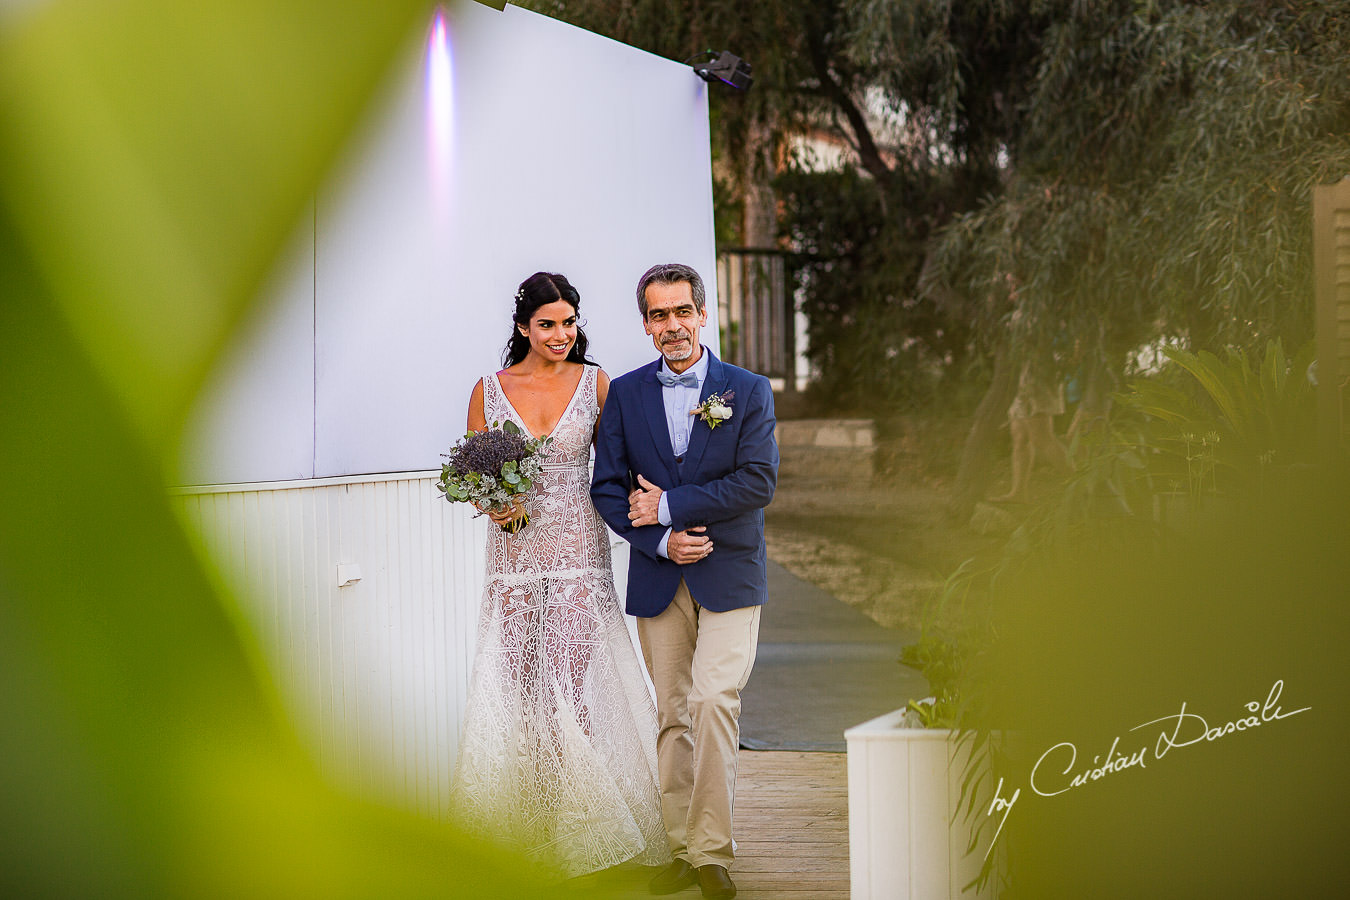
592, 378
494, 405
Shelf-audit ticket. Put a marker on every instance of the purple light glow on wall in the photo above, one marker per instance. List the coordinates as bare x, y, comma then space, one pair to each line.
440, 114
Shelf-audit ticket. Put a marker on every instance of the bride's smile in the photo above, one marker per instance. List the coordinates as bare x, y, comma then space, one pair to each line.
552, 331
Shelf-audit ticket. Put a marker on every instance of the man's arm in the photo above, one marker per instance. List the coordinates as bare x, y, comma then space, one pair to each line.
750, 485
610, 485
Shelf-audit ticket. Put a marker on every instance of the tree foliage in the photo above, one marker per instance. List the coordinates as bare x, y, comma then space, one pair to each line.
924, 95
1163, 177
1138, 168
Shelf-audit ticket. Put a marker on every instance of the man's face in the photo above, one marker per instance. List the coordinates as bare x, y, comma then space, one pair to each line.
673, 323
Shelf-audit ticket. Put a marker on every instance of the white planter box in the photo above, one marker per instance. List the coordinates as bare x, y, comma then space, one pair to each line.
907, 839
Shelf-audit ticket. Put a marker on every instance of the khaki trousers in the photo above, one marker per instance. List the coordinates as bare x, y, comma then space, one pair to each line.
698, 661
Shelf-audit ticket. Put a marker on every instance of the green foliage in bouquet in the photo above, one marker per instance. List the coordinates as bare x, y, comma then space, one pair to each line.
492, 469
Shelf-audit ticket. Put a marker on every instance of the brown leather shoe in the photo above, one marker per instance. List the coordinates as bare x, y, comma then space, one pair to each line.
675, 877
715, 883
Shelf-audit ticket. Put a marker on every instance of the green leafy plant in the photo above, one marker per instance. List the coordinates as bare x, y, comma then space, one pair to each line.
952, 654
936, 659
1217, 424
1205, 433
941, 655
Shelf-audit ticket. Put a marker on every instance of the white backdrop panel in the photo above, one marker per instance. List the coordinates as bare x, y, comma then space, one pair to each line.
567, 152
254, 419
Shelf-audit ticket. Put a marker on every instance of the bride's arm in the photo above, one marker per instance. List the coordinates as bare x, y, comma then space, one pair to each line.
477, 418
601, 394
478, 422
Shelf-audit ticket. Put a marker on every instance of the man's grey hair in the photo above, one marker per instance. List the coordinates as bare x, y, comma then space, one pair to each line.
670, 273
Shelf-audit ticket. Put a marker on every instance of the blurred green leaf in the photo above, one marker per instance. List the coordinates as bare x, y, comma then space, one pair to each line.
153, 157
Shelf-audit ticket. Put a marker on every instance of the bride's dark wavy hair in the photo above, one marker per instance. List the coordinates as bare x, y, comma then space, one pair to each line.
540, 289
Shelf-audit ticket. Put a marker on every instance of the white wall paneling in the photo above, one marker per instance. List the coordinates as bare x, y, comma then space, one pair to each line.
376, 672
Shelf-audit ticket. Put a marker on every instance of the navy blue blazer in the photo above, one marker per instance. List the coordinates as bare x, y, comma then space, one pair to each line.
726, 479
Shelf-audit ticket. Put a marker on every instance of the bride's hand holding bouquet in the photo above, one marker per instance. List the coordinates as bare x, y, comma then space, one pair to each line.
493, 469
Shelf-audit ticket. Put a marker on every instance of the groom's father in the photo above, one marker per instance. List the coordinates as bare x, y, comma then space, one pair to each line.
685, 463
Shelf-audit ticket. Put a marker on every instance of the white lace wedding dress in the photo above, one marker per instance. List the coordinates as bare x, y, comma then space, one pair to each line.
558, 755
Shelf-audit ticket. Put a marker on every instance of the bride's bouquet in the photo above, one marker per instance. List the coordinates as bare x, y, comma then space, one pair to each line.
492, 469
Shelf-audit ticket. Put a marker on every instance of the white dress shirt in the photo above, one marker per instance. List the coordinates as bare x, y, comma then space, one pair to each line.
679, 401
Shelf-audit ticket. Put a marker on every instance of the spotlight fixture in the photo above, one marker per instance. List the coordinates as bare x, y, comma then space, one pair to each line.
727, 68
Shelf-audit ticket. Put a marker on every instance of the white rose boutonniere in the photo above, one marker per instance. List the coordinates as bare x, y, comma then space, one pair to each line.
715, 410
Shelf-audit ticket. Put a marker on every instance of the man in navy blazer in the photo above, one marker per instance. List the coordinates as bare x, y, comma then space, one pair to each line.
685, 463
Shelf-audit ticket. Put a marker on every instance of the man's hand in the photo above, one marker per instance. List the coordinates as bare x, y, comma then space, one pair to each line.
643, 503
685, 547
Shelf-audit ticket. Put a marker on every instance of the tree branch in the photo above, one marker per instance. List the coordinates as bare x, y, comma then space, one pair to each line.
830, 88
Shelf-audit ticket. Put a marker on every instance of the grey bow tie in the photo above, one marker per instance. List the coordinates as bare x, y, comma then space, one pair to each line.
688, 379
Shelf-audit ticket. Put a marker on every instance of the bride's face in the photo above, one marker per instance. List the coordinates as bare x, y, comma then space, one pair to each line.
552, 330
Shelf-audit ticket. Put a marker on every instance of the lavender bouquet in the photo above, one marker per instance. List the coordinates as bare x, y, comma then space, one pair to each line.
492, 469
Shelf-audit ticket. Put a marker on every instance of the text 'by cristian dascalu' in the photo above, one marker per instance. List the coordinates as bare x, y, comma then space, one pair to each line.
1058, 770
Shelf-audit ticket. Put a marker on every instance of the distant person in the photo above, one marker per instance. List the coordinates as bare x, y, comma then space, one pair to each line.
685, 463
558, 755
1031, 420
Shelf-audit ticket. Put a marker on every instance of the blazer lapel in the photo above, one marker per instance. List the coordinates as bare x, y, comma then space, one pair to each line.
655, 410
714, 383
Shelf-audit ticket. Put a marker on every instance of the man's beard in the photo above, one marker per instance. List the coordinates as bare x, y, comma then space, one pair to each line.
678, 355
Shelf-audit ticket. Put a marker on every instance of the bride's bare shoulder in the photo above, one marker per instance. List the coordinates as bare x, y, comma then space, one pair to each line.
601, 387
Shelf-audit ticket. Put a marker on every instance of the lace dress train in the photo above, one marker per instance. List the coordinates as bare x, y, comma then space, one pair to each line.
558, 754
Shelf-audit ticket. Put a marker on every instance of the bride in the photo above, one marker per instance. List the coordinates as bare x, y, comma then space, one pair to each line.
558, 755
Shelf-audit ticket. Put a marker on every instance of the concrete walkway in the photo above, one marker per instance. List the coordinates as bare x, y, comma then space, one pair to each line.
822, 667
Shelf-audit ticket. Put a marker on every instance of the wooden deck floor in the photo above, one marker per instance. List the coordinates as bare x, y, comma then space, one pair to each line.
791, 826
791, 832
